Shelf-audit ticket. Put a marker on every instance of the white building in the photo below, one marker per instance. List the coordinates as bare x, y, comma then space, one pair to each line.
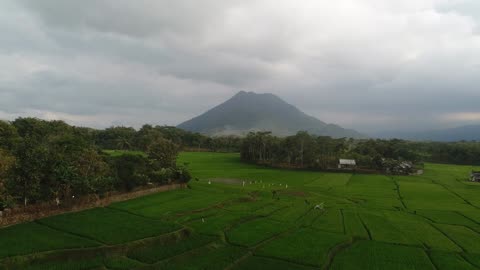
347, 164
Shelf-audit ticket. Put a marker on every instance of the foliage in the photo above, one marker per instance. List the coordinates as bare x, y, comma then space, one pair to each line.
6, 163
163, 153
53, 161
308, 151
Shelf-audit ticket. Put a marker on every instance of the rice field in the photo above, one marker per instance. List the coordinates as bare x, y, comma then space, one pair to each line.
241, 216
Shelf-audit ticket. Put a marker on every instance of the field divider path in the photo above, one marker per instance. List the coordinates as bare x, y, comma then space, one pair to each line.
251, 218
469, 261
431, 260
93, 251
343, 222
239, 260
365, 227
39, 222
334, 251
400, 198
131, 213
219, 205
275, 236
454, 193
472, 220
451, 239
191, 251
305, 214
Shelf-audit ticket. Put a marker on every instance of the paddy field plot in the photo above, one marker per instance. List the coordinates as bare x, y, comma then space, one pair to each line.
278, 219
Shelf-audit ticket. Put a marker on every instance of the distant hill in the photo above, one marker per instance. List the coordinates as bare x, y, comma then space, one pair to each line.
466, 133
248, 111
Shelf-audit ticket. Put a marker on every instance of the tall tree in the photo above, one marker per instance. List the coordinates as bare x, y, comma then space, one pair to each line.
163, 153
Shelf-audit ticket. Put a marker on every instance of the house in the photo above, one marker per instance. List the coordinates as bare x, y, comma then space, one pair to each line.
347, 164
475, 176
405, 167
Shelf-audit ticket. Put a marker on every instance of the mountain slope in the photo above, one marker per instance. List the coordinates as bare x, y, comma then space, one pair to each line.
248, 111
467, 133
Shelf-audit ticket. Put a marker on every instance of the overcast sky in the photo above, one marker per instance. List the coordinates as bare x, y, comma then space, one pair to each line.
366, 64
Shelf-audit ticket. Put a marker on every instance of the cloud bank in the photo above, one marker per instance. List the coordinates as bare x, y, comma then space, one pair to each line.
365, 64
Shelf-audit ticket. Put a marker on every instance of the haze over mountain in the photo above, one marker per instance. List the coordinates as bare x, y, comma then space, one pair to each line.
248, 111
467, 133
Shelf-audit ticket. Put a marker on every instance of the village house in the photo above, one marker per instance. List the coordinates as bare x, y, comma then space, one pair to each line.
475, 176
348, 164
405, 167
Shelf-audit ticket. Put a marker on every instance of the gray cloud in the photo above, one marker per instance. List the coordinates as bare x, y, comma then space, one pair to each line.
368, 64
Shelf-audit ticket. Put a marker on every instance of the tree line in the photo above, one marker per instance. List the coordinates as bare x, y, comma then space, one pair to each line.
53, 161
304, 150
127, 138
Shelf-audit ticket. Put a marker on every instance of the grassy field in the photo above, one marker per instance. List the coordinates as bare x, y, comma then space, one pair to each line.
241, 216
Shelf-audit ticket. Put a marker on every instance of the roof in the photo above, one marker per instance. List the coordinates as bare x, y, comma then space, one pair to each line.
347, 162
405, 165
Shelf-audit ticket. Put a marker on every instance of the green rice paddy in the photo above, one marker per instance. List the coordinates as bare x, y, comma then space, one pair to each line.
241, 216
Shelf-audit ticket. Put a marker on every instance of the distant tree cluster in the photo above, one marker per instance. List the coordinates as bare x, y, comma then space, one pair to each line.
53, 161
304, 150
463, 152
127, 138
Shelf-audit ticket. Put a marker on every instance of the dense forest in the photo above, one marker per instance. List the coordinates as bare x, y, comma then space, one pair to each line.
304, 150
127, 138
53, 161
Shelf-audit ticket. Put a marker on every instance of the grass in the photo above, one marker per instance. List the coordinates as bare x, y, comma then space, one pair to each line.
157, 251
464, 237
378, 256
253, 232
31, 237
255, 262
445, 261
368, 222
212, 257
305, 246
354, 225
109, 226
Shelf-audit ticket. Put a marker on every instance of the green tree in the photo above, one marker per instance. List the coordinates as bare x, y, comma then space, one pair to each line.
6, 163
163, 154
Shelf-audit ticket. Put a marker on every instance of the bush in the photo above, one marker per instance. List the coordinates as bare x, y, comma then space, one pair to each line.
182, 174
162, 176
130, 171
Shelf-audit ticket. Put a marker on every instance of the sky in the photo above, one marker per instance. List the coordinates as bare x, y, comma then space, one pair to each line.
371, 65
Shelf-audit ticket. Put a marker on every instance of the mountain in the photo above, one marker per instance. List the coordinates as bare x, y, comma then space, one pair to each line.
248, 111
466, 133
